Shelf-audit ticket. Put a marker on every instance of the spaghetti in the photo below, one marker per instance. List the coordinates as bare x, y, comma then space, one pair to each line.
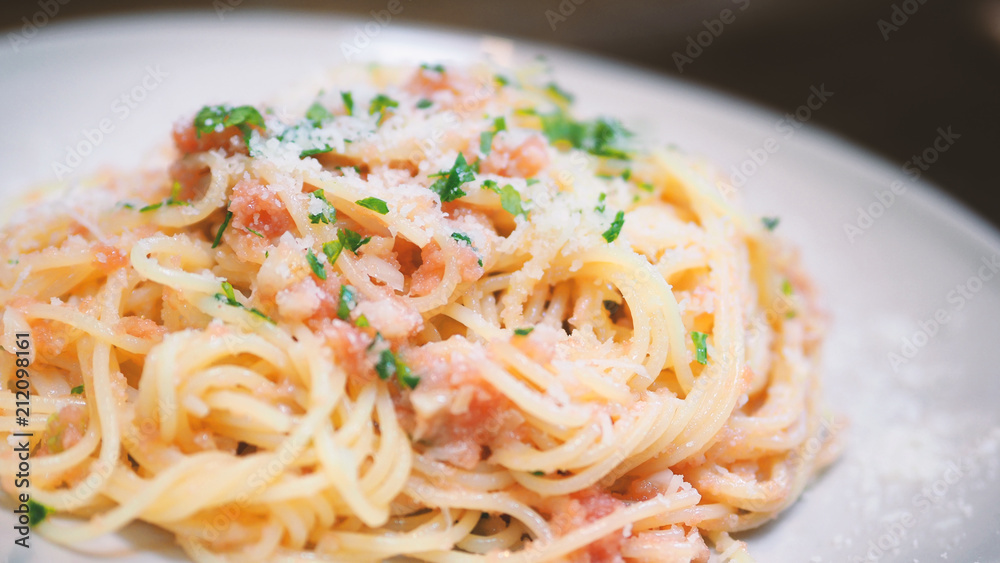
427, 313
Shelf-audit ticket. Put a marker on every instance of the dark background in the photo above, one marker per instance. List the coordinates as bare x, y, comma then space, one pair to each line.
940, 68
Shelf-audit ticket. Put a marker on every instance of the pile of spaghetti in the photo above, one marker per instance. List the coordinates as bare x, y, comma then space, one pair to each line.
425, 312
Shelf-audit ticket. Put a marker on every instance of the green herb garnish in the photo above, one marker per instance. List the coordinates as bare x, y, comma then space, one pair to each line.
347, 302
435, 68
78, 390
37, 512
559, 94
222, 228
424, 103
786, 287
315, 264
243, 118
770, 222
313, 152
701, 349
448, 185
510, 199
228, 296
486, 137
462, 237
253, 232
362, 321
523, 331
328, 214
332, 250
375, 204
348, 102
379, 104
317, 114
601, 137
351, 240
616, 227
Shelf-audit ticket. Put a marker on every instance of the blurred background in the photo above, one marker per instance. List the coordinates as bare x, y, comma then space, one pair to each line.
899, 70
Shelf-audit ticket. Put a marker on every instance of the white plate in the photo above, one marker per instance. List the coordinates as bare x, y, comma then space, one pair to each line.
918, 480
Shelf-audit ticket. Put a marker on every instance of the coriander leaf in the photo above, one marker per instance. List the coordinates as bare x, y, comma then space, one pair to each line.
362, 322
258, 313
151, 207
375, 204
37, 512
315, 264
523, 331
78, 390
225, 223
424, 103
601, 137
317, 114
351, 240
770, 223
538, 473
253, 232
510, 200
646, 186
627, 174
347, 302
608, 136
435, 68
616, 226
313, 152
448, 186
701, 349
600, 202
348, 102
332, 250
380, 102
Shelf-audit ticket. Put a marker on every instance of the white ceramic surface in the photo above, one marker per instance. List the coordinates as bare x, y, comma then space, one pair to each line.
918, 479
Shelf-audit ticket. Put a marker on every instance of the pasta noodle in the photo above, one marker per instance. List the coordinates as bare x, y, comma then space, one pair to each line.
426, 313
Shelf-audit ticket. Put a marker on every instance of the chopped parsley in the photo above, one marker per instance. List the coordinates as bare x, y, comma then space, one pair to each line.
317, 114
465, 238
600, 202
700, 348
770, 223
389, 365
448, 185
222, 228
486, 137
523, 331
375, 204
37, 512
616, 227
786, 287
315, 264
538, 473
243, 118
362, 322
332, 250
510, 199
600, 137
328, 214
228, 296
646, 186
172, 200
627, 174
435, 68
462, 237
501, 79
348, 102
78, 390
560, 95
424, 103
312, 152
347, 302
256, 233
351, 240
379, 104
